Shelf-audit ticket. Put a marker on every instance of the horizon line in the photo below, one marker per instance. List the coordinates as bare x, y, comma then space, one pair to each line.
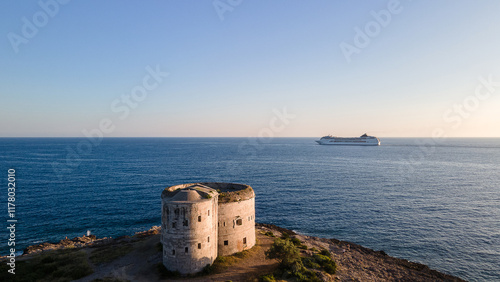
107, 137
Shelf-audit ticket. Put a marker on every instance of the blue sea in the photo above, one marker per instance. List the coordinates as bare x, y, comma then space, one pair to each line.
430, 201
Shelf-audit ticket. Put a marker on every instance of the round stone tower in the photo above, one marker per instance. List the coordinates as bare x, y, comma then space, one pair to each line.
189, 227
236, 223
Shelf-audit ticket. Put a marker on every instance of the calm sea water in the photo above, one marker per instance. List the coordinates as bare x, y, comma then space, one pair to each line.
437, 204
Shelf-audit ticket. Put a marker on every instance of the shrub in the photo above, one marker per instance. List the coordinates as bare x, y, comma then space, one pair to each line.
307, 275
284, 251
330, 268
285, 236
325, 253
267, 278
310, 263
328, 265
269, 233
208, 269
296, 241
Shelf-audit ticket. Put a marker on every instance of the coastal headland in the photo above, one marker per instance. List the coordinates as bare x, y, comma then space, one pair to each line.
139, 257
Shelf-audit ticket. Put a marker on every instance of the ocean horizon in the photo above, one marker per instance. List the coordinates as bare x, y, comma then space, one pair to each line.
431, 201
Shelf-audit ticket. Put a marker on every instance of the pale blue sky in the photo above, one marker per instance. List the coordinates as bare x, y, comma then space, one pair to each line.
228, 75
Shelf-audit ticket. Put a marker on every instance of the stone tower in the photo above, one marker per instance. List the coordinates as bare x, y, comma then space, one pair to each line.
236, 222
203, 220
189, 227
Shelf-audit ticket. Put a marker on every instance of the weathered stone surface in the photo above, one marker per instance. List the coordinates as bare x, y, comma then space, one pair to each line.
189, 227
197, 227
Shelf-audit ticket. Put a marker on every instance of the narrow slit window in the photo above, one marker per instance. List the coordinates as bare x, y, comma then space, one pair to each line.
208, 212
174, 224
186, 250
199, 218
226, 243
173, 252
199, 245
245, 240
208, 239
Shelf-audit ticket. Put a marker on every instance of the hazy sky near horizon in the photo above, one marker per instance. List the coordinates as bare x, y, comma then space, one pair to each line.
233, 67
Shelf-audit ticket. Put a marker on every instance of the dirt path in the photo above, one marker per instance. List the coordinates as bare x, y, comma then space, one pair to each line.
253, 266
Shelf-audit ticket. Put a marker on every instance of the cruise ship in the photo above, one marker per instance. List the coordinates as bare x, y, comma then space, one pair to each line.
363, 140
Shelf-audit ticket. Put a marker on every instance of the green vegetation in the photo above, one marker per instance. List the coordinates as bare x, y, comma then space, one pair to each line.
326, 263
284, 251
208, 269
298, 244
267, 278
269, 233
110, 253
293, 265
285, 236
61, 265
325, 252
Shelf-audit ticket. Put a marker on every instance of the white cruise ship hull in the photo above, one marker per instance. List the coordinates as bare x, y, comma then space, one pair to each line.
356, 141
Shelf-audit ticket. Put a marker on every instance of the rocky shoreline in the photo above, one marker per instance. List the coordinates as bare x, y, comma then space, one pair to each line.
359, 263
354, 262
87, 241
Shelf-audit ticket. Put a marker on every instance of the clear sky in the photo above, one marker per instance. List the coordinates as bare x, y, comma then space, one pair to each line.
388, 68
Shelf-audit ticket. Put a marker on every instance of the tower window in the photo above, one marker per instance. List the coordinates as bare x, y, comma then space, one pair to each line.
173, 252
185, 223
208, 212
199, 245
245, 240
174, 224
208, 239
239, 221
226, 243
186, 250
199, 218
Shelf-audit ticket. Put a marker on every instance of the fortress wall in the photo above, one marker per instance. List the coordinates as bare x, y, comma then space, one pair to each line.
236, 226
189, 234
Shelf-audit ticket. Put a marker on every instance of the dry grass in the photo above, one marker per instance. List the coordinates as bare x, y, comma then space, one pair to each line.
60, 265
109, 253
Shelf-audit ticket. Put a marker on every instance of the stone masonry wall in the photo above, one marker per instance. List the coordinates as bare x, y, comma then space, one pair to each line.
189, 234
236, 226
